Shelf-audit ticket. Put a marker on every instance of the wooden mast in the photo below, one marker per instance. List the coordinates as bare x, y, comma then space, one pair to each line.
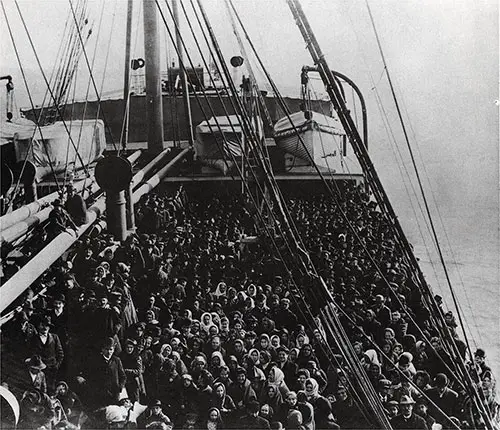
154, 106
126, 78
182, 73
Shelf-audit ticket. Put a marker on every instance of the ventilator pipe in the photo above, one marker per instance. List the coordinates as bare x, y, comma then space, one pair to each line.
156, 179
141, 174
134, 156
32, 270
28, 210
116, 214
23, 226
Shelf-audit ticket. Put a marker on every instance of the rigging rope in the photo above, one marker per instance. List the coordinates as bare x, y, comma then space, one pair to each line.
284, 107
31, 103
318, 57
45, 77
86, 97
285, 220
417, 174
92, 76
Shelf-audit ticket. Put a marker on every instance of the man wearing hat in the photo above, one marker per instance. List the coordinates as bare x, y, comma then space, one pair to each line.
105, 376
421, 406
483, 371
35, 379
241, 390
49, 347
407, 419
384, 386
392, 408
59, 318
154, 414
382, 312
252, 420
132, 365
75, 206
444, 398
285, 318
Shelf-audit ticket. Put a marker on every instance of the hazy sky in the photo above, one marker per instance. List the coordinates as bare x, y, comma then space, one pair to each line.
443, 56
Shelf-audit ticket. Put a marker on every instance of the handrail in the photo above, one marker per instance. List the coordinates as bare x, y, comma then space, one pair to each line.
32, 270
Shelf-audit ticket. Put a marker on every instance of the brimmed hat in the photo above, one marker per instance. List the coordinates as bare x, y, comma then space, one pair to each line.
406, 400
384, 383
131, 342
60, 298
35, 362
155, 403
43, 319
441, 380
422, 401
109, 342
480, 353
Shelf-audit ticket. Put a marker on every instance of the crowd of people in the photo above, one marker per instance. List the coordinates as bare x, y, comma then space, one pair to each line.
189, 324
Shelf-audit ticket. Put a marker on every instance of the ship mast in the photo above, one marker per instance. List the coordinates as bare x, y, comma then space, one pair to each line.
126, 79
182, 72
154, 106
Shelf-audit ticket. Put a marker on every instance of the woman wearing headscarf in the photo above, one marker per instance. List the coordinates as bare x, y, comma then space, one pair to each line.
322, 408
405, 363
301, 338
198, 364
293, 355
253, 357
420, 358
240, 303
375, 374
265, 362
264, 344
306, 354
224, 328
247, 310
252, 291
216, 319
369, 357
214, 420
220, 290
224, 376
222, 401
237, 348
276, 377
188, 399
216, 363
206, 322
180, 366
232, 364
275, 341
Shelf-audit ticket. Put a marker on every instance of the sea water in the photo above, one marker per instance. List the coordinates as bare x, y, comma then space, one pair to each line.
469, 236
